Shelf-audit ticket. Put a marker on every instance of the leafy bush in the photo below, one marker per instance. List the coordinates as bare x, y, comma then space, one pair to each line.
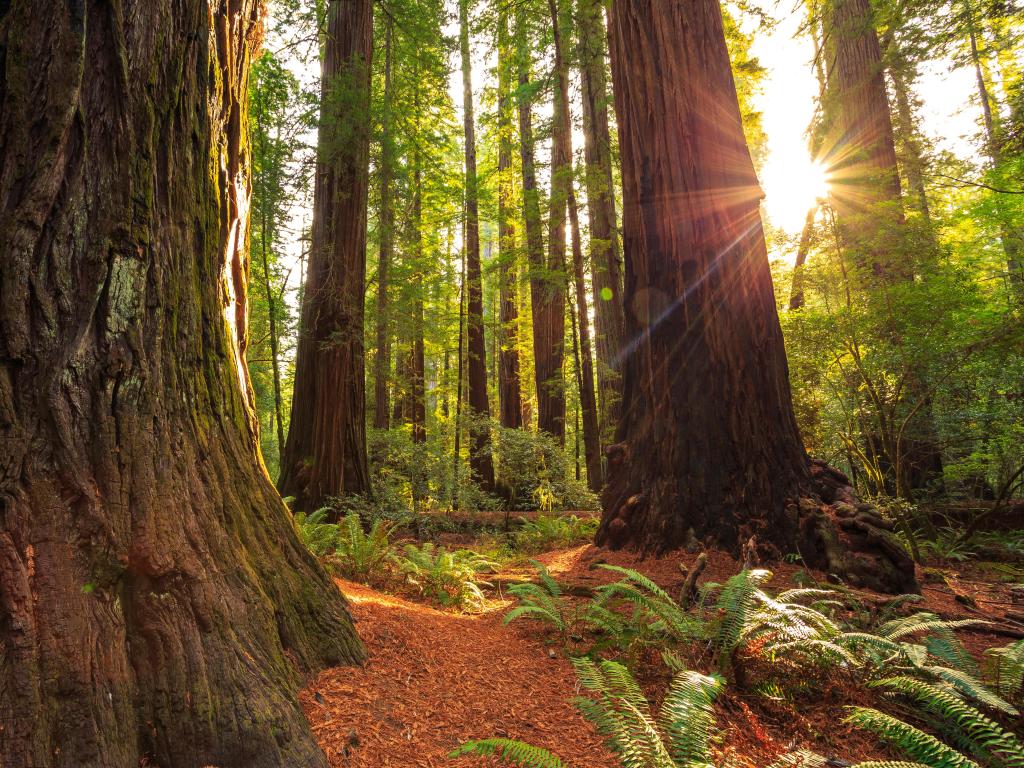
363, 556
551, 531
450, 578
537, 473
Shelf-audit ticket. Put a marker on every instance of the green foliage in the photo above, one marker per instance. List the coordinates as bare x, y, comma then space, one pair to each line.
320, 538
543, 601
511, 752
537, 472
959, 721
363, 556
547, 532
450, 578
1007, 669
919, 745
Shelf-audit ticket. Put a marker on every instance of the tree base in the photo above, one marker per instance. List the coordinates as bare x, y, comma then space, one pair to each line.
849, 539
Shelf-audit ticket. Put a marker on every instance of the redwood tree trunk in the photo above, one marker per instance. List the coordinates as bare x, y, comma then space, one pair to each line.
605, 253
560, 19
510, 396
325, 455
476, 348
155, 603
708, 440
547, 355
382, 360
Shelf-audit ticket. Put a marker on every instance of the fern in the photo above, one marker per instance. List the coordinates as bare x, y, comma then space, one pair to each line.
919, 745
960, 721
800, 759
319, 537
511, 752
451, 578
360, 555
1007, 665
539, 601
663, 615
735, 603
941, 641
972, 688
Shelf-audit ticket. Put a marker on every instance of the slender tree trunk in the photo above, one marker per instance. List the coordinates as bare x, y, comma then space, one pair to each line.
382, 361
708, 439
912, 155
417, 373
560, 19
796, 296
460, 378
480, 451
325, 455
605, 253
155, 602
274, 338
544, 291
510, 396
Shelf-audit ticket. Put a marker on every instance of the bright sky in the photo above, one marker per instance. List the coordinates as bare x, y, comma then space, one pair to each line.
790, 181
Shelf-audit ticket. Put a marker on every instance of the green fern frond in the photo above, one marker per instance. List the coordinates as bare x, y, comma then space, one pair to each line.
916, 743
511, 752
962, 722
972, 688
1008, 668
890, 764
734, 605
687, 718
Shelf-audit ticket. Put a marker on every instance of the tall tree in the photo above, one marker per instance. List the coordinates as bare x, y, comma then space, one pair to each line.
561, 18
605, 253
325, 454
708, 440
476, 348
545, 286
510, 396
156, 602
385, 224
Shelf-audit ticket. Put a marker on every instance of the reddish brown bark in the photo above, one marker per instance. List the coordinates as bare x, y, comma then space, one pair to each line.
546, 287
605, 252
385, 222
560, 18
510, 396
708, 440
476, 347
155, 603
325, 455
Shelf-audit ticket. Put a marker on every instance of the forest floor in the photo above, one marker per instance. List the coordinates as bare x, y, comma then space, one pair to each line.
436, 678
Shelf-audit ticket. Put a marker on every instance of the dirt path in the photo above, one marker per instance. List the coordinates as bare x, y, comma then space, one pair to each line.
434, 680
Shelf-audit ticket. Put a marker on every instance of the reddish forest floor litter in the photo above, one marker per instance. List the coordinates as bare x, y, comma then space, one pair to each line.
435, 679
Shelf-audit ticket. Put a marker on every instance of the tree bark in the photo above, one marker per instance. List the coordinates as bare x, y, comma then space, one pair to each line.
476, 347
510, 395
547, 356
605, 253
708, 439
325, 455
385, 219
560, 19
155, 602
796, 296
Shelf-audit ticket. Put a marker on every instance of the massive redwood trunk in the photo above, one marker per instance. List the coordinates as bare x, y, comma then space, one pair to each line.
156, 606
476, 349
325, 455
708, 440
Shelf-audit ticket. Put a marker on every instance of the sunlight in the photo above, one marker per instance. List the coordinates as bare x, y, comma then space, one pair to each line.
792, 182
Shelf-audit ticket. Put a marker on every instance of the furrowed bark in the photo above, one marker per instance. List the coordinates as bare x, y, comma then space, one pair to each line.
325, 455
708, 444
156, 602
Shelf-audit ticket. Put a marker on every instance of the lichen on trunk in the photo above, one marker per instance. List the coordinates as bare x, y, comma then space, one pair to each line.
156, 602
